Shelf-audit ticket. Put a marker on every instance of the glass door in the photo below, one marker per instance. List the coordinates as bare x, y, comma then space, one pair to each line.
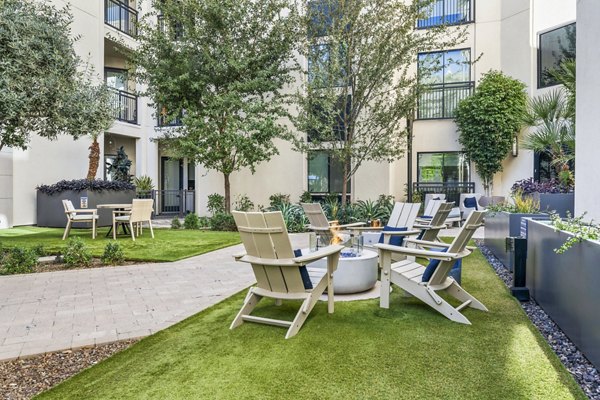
172, 184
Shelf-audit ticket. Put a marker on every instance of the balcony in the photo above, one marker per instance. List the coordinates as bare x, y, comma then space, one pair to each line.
439, 101
452, 190
125, 106
121, 17
447, 12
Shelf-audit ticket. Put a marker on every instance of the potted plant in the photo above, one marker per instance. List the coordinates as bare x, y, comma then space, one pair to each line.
552, 196
504, 220
563, 278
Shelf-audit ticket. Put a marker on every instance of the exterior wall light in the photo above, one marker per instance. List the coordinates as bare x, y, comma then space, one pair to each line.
515, 146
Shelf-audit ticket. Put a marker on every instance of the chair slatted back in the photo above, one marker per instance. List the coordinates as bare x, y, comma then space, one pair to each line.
316, 216
431, 196
264, 235
432, 207
69, 209
458, 244
141, 210
404, 215
439, 218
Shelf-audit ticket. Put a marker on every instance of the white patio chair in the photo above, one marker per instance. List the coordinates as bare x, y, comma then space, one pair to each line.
465, 209
79, 215
141, 211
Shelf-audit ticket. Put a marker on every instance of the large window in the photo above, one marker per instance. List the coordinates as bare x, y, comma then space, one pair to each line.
325, 174
330, 125
322, 14
554, 47
447, 12
447, 79
325, 70
448, 167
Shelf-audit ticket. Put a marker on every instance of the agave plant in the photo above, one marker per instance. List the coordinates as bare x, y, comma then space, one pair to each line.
294, 217
368, 210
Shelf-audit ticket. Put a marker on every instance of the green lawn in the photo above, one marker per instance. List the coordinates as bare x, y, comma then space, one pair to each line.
168, 244
359, 352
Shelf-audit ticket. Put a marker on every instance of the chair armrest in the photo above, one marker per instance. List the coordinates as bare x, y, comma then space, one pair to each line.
237, 256
275, 262
400, 233
418, 252
365, 228
318, 228
83, 210
324, 252
121, 212
350, 225
426, 243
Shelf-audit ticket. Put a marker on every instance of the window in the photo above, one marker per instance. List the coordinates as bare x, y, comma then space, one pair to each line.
449, 12
321, 13
447, 76
447, 167
325, 174
555, 46
109, 159
321, 66
116, 78
333, 121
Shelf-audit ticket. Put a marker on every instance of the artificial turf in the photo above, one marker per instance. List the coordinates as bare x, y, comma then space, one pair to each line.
168, 244
359, 352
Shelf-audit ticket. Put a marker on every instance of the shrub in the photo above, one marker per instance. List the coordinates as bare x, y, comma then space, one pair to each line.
306, 197
39, 250
175, 223
243, 203
204, 222
367, 210
76, 253
580, 230
113, 254
275, 200
216, 203
79, 185
191, 221
222, 222
529, 186
143, 185
17, 260
294, 217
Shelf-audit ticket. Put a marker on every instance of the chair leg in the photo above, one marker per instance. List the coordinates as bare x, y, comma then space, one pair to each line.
67, 229
250, 302
132, 231
456, 291
94, 228
151, 231
114, 229
385, 261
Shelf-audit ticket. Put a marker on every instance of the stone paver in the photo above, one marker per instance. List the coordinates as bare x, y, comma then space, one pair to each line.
69, 309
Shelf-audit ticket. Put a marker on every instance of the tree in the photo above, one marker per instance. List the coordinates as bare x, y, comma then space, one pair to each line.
361, 79
222, 64
38, 72
489, 121
119, 168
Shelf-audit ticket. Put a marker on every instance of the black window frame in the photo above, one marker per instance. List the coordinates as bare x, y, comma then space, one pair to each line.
470, 18
540, 85
443, 152
329, 180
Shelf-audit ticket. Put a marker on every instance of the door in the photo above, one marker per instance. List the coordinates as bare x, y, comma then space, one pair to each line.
172, 184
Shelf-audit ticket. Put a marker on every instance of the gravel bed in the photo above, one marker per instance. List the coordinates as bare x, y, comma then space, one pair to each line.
582, 370
24, 378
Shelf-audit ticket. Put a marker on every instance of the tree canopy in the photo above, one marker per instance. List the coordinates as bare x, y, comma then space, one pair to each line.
221, 66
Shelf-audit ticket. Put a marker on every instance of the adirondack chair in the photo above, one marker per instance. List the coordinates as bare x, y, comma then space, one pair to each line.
81, 215
469, 202
430, 229
430, 210
318, 220
279, 274
403, 216
424, 282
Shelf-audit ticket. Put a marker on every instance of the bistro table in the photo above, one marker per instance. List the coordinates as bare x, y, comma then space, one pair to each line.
116, 207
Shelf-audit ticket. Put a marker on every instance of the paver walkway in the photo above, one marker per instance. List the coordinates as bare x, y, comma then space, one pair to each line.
61, 310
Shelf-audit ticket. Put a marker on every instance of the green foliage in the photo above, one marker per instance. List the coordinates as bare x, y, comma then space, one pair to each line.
216, 203
176, 223
369, 210
580, 230
77, 253
143, 185
222, 222
191, 221
243, 203
119, 168
294, 217
275, 200
113, 254
489, 120
17, 260
226, 62
305, 197
39, 250
41, 89
521, 204
368, 56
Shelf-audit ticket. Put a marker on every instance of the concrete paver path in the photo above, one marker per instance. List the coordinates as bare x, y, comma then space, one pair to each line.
61, 310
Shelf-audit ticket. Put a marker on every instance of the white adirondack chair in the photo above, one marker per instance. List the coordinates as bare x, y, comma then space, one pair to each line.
141, 211
79, 215
408, 274
318, 220
432, 227
277, 270
403, 215
465, 211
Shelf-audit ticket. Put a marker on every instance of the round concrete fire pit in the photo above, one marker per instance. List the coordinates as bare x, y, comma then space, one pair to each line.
354, 274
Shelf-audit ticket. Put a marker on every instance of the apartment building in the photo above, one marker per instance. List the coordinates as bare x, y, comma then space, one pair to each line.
503, 34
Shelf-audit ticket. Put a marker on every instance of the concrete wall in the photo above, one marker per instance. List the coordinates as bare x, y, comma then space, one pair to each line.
587, 178
6, 188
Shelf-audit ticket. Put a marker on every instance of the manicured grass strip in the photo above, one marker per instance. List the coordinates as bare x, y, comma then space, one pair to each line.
168, 244
360, 352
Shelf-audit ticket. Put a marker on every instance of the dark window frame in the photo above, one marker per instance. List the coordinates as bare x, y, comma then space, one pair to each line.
540, 85
329, 158
470, 19
443, 152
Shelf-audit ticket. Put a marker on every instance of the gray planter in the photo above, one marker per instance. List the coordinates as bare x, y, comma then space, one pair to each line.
566, 285
499, 226
51, 213
559, 202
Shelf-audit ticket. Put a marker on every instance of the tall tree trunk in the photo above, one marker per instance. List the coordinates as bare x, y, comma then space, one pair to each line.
94, 160
345, 184
227, 193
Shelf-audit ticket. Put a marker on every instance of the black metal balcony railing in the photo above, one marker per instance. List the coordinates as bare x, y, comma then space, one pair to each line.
121, 17
452, 190
440, 100
124, 105
163, 120
173, 202
447, 12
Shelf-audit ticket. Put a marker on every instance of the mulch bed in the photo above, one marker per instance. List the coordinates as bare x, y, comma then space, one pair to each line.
24, 378
50, 266
583, 371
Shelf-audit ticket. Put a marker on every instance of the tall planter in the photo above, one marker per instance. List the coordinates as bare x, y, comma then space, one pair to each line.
50, 210
566, 285
561, 203
499, 226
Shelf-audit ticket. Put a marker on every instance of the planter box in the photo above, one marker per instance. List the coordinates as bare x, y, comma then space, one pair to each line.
566, 285
51, 213
499, 226
559, 202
